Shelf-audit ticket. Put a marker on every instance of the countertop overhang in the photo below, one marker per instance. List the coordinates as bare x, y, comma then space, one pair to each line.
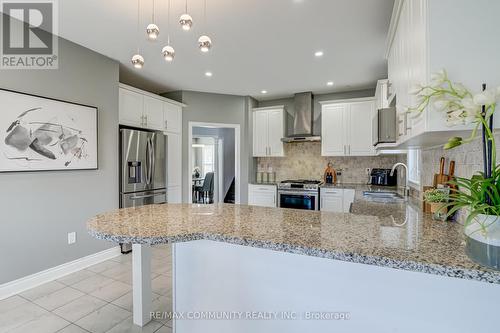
419, 244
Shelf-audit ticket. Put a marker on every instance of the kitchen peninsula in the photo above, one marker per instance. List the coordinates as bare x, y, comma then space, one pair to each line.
385, 273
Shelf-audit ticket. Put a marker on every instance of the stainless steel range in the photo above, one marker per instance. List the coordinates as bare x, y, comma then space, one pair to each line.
299, 194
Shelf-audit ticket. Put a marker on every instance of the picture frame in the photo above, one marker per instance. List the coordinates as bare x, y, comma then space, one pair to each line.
45, 134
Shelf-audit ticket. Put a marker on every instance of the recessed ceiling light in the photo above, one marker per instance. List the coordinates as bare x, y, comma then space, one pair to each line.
329, 83
209, 74
318, 53
264, 91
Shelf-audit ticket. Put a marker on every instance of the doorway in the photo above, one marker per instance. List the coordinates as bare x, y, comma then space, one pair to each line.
213, 162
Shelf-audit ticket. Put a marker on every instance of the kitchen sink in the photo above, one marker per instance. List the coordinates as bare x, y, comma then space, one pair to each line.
383, 195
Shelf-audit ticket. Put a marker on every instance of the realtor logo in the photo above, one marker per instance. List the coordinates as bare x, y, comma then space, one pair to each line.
29, 34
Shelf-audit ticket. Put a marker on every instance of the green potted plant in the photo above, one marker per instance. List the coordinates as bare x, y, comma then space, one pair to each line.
437, 198
479, 195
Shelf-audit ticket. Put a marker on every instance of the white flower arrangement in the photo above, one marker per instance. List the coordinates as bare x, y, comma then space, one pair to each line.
460, 105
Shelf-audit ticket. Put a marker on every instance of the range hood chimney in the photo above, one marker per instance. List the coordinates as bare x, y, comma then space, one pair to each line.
302, 119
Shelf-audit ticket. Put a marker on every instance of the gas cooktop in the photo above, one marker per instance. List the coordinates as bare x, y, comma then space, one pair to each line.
298, 184
301, 181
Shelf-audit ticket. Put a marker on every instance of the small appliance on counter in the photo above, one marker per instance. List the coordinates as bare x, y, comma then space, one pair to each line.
383, 177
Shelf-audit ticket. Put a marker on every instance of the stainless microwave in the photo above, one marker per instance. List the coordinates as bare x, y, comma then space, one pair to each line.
385, 128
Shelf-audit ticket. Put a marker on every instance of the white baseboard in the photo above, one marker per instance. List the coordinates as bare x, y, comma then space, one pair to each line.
17, 286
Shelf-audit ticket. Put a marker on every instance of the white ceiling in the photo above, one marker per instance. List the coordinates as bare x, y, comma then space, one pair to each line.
258, 44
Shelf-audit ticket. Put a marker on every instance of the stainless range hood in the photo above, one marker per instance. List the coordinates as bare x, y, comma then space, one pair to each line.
302, 120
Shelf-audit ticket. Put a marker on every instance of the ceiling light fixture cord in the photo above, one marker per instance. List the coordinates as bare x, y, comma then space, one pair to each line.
153, 18
186, 6
138, 23
168, 22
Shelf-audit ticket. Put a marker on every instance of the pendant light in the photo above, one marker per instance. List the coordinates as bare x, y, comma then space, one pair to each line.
137, 59
152, 29
186, 21
204, 42
168, 51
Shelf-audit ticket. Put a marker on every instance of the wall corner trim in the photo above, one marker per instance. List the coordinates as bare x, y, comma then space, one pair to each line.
14, 287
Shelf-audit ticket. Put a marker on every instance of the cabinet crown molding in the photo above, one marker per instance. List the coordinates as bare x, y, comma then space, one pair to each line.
347, 100
275, 107
147, 93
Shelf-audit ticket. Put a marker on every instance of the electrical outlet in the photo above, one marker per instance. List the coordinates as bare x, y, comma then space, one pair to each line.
71, 237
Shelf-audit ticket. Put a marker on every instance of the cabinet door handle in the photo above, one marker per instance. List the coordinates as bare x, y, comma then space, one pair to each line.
349, 149
146, 117
270, 151
166, 124
142, 120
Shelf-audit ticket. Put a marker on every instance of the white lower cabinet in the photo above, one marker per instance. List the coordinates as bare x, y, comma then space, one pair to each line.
262, 195
336, 199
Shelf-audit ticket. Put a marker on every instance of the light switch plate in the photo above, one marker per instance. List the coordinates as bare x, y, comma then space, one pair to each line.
71, 237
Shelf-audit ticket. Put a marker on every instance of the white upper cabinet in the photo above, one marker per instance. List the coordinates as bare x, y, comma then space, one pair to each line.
173, 117
333, 133
260, 133
426, 36
268, 124
359, 128
142, 109
346, 128
275, 132
153, 113
131, 105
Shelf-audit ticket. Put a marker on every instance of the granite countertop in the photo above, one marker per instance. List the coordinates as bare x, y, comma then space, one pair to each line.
406, 239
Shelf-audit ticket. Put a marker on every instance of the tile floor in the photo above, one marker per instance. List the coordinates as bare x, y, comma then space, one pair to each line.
97, 299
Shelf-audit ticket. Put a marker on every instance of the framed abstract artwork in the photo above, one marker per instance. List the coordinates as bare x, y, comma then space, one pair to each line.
41, 134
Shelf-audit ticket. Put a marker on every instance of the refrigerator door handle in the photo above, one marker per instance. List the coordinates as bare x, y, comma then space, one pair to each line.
153, 161
148, 161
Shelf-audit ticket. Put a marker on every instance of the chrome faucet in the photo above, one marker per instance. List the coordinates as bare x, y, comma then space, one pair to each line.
406, 187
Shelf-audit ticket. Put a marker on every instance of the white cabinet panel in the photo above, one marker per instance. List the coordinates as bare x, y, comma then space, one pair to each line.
172, 117
275, 132
359, 120
174, 194
333, 130
174, 159
336, 200
260, 133
131, 106
268, 124
153, 113
347, 128
262, 195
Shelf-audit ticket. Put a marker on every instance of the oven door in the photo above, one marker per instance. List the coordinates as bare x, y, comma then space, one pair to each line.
298, 200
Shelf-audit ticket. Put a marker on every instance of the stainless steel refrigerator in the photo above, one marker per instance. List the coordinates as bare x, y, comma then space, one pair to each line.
143, 169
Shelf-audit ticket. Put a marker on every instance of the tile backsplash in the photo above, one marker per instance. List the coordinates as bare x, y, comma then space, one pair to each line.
468, 159
304, 161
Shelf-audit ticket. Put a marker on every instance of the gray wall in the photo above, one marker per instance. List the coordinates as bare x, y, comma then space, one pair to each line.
215, 108
40, 208
289, 107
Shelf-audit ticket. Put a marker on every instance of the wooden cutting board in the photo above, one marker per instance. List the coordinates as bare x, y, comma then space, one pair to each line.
441, 178
451, 174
